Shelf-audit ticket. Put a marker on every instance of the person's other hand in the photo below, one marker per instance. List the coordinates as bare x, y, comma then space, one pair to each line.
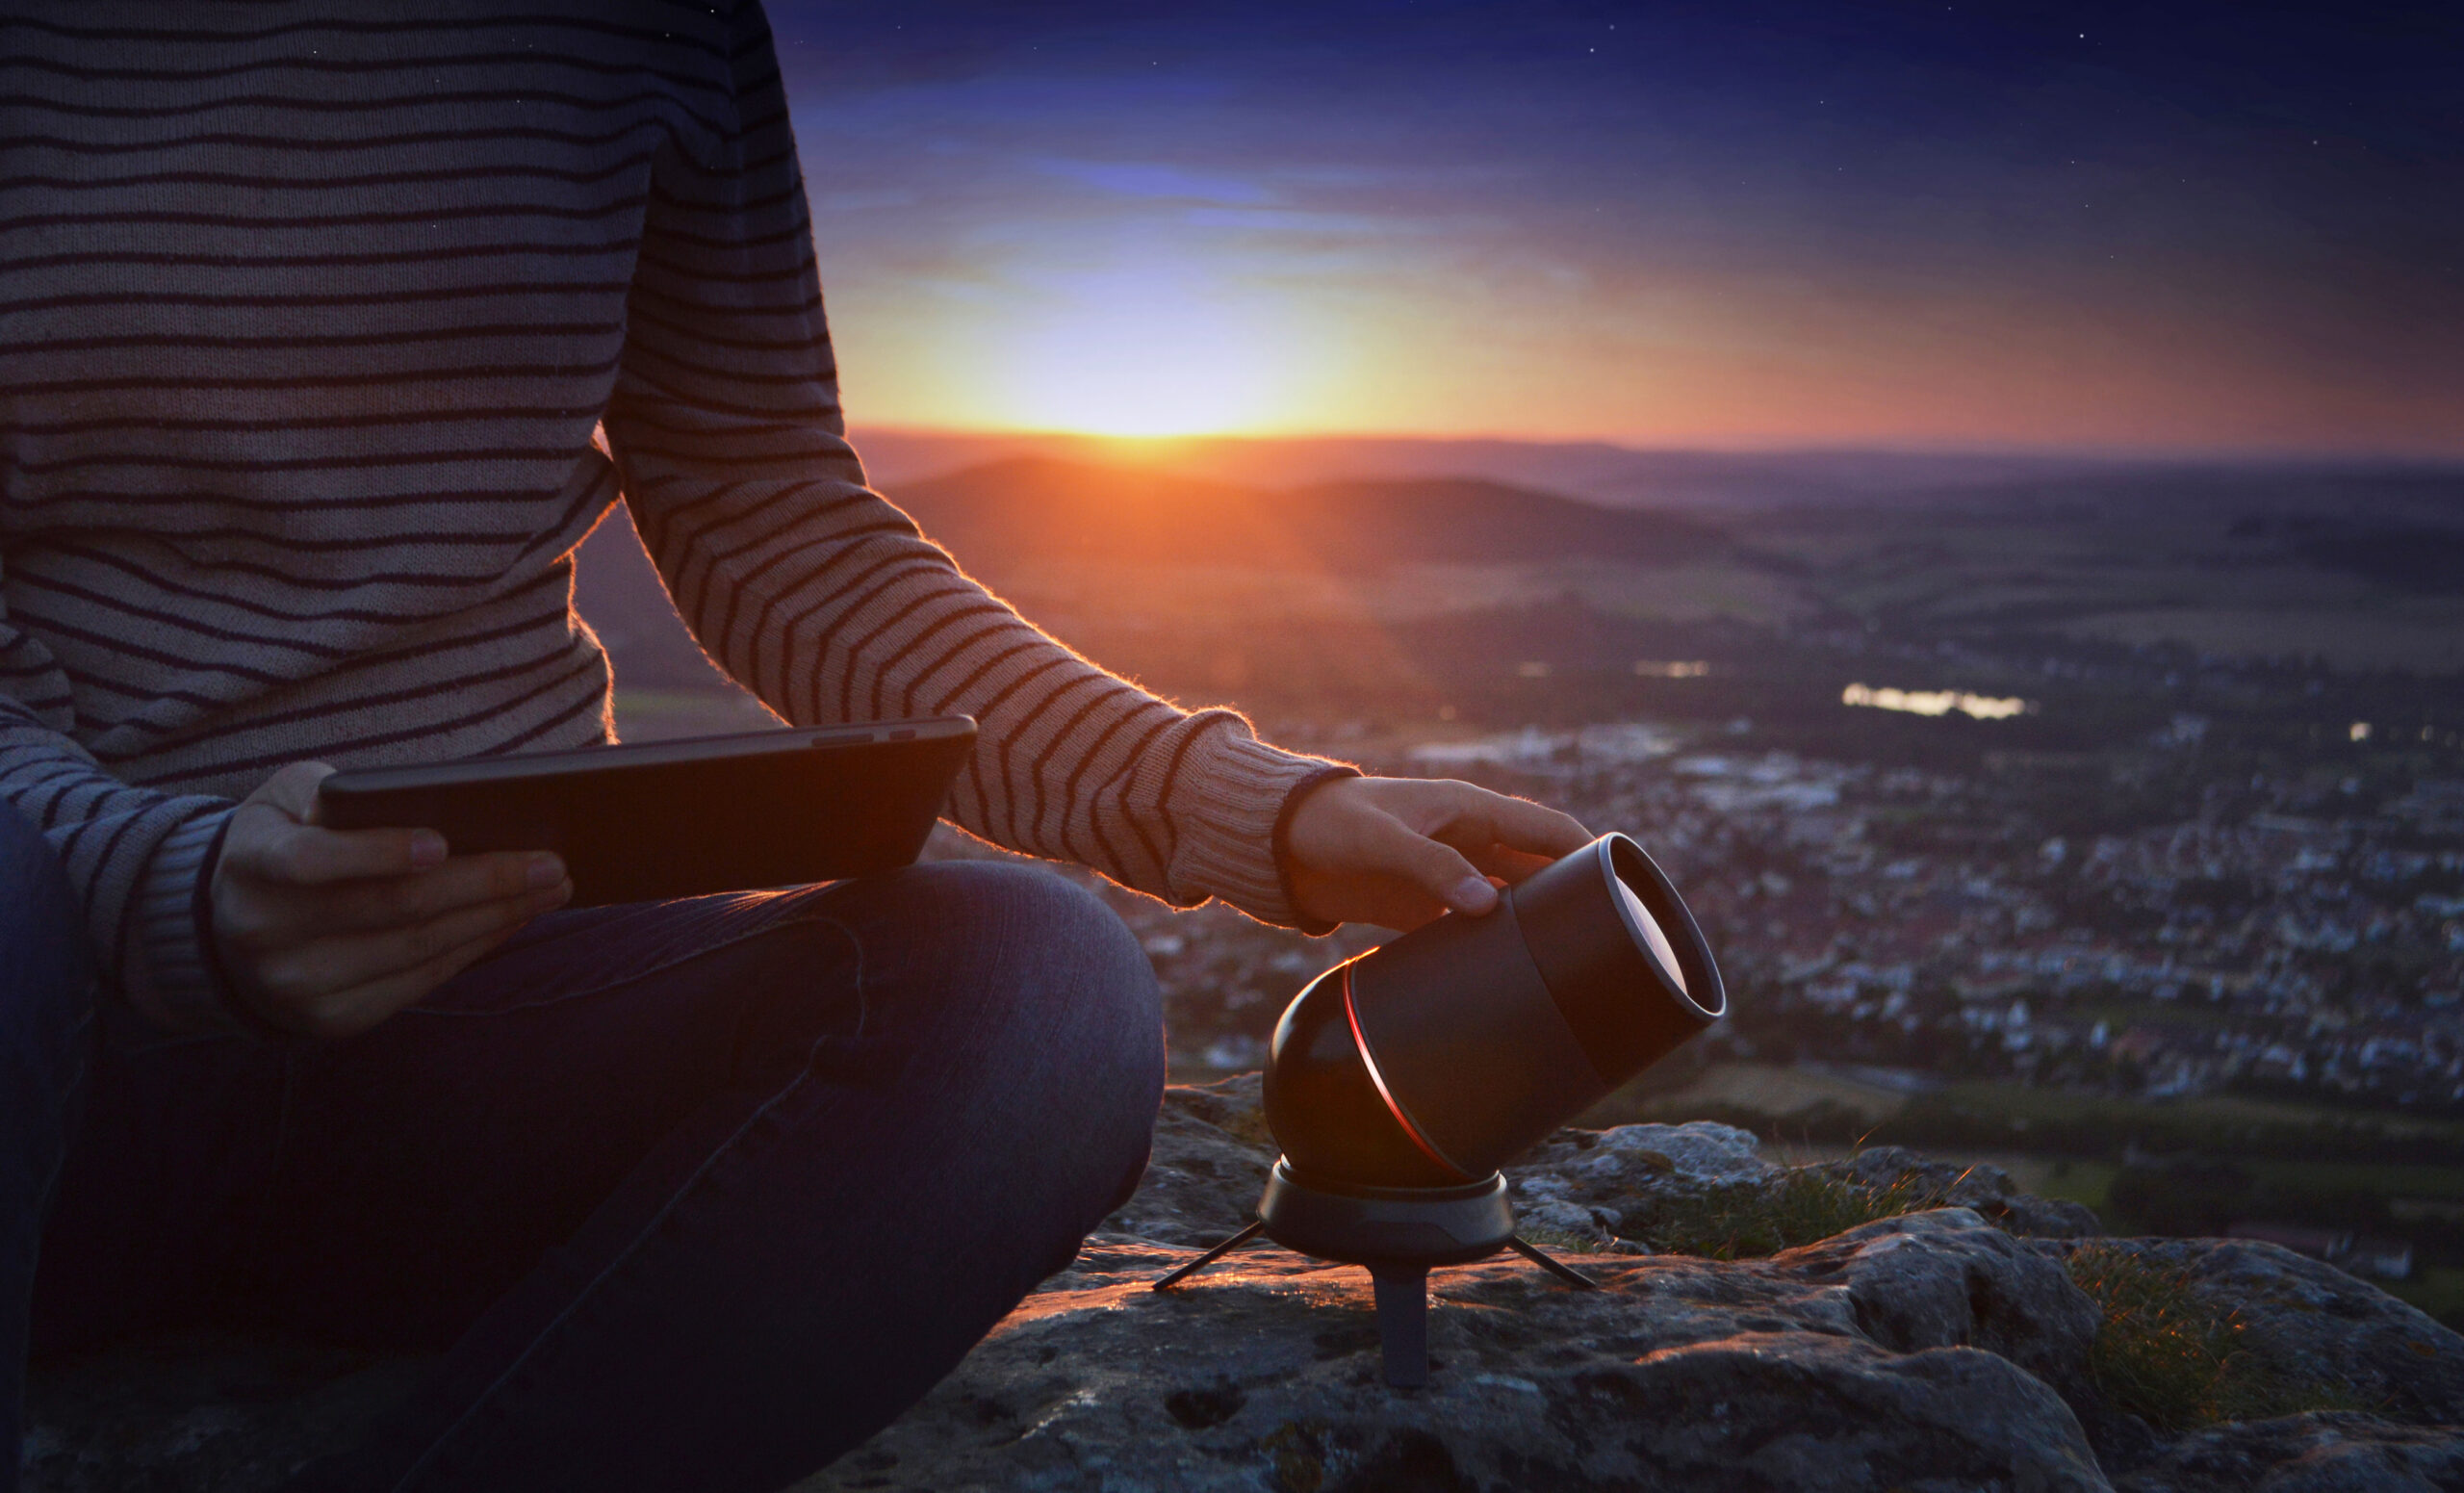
1399, 851
329, 932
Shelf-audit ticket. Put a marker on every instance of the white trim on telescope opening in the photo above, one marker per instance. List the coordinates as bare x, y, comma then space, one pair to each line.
1647, 932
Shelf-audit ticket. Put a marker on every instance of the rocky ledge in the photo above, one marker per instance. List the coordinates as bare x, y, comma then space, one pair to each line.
1882, 1323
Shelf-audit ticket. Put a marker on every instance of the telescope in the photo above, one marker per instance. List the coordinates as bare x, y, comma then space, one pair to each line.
1399, 1082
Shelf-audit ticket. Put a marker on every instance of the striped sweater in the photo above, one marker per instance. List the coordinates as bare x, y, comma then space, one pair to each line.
310, 312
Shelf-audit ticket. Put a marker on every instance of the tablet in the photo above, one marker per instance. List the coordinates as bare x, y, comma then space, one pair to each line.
679, 818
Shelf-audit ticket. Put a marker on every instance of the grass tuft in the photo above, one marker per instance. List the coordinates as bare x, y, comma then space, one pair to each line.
1803, 1206
1559, 1240
2176, 1358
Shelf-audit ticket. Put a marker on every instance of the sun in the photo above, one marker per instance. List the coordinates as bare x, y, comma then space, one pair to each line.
1131, 356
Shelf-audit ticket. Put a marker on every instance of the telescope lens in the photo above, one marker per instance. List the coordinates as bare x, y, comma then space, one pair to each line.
1647, 932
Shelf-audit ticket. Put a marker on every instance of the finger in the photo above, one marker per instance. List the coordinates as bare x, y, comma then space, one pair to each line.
272, 849
1398, 905
1436, 868
258, 918
1511, 867
1365, 897
311, 974
1480, 818
372, 904
352, 1011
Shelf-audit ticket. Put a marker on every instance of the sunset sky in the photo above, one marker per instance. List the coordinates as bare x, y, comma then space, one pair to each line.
1769, 223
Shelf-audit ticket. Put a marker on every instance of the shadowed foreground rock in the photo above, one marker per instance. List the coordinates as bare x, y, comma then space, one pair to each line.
1938, 1349
1683, 1375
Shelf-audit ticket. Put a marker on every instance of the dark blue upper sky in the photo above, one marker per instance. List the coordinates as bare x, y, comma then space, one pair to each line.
2146, 226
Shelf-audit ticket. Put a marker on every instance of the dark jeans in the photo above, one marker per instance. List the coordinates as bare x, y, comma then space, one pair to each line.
695, 1193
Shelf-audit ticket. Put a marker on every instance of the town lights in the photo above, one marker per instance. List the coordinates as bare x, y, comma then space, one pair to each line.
1399, 1081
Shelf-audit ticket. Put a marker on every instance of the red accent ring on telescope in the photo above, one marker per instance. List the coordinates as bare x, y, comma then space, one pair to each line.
1369, 1062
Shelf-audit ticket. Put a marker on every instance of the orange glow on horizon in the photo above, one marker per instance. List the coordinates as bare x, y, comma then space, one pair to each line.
1148, 347
1207, 346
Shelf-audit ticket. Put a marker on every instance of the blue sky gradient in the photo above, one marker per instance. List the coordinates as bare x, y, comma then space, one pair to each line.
2147, 228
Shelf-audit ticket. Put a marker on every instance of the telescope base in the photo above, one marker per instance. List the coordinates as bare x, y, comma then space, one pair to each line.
1401, 1294
1397, 1233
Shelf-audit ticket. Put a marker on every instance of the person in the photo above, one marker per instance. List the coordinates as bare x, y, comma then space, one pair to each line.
330, 333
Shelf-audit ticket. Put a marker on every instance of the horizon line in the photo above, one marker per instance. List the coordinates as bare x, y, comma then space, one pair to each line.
2136, 455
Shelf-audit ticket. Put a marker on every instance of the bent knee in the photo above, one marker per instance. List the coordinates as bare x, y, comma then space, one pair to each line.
1066, 930
1089, 1075
1041, 979
998, 926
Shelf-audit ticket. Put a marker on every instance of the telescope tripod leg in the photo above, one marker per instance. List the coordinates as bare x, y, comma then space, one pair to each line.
1555, 1267
1185, 1272
1401, 1292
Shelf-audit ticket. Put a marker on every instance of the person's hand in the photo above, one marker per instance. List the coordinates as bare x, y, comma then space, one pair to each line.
329, 932
1399, 851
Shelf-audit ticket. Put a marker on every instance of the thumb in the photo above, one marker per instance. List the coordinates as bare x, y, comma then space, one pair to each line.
1438, 869
294, 790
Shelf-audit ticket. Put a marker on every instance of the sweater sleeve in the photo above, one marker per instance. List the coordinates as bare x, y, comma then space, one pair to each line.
133, 855
823, 598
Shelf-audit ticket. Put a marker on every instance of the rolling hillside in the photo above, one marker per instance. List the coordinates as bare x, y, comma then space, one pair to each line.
1038, 509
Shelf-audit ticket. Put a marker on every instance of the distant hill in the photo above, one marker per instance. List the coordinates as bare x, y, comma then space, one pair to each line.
1730, 482
1598, 472
1030, 508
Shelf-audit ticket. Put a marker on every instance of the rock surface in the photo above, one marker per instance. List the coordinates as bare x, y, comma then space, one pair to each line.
200, 1413
1935, 1350
1938, 1349
2334, 1452
2310, 1322
1680, 1374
